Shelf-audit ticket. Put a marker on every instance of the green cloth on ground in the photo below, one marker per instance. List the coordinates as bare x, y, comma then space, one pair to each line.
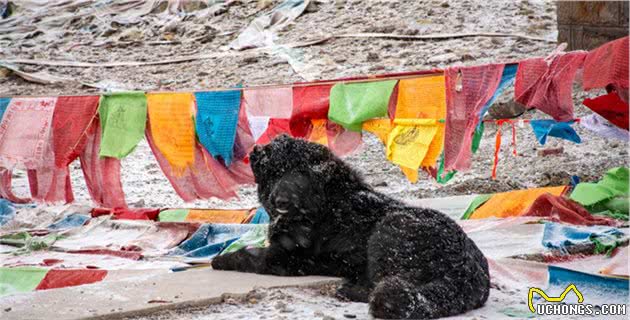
20, 279
605, 244
28, 243
608, 197
474, 204
123, 120
255, 238
173, 215
353, 103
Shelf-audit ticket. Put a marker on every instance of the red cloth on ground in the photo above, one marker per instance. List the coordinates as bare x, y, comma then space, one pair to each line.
102, 175
312, 102
611, 107
207, 178
606, 65
127, 213
561, 209
6, 191
549, 87
71, 119
60, 278
468, 89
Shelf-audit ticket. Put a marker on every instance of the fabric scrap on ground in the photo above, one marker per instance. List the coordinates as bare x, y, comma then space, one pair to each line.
261, 31
512, 203
147, 237
261, 216
474, 204
20, 279
172, 128
618, 264
71, 221
123, 118
217, 120
210, 239
608, 197
7, 211
61, 278
599, 289
561, 209
490, 235
40, 217
173, 215
353, 103
255, 238
4, 103
127, 213
217, 215
560, 236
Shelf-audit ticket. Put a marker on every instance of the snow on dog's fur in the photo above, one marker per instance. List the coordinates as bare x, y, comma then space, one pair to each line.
407, 262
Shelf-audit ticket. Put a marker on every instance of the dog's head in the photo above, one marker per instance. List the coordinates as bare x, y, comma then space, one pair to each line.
295, 181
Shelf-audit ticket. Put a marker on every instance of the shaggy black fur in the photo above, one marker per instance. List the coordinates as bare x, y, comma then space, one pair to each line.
407, 262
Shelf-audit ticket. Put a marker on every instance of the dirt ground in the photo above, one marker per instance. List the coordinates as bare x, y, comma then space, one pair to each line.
162, 35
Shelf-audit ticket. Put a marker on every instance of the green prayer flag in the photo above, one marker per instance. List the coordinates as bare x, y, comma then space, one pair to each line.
20, 279
476, 140
608, 197
173, 215
353, 103
123, 120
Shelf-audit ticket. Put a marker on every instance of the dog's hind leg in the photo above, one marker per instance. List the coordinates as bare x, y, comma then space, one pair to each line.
395, 297
423, 266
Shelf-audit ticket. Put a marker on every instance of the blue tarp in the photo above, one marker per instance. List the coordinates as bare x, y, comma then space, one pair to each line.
552, 128
596, 289
7, 211
210, 239
72, 221
560, 236
217, 119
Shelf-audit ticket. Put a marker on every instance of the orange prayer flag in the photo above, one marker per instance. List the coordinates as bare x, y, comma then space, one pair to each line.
172, 127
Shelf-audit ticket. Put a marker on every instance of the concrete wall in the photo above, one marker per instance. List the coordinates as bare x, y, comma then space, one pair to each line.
588, 24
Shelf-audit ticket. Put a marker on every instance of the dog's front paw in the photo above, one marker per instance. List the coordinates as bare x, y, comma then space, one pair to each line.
223, 262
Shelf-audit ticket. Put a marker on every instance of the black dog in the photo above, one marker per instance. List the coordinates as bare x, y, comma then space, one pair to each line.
407, 262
